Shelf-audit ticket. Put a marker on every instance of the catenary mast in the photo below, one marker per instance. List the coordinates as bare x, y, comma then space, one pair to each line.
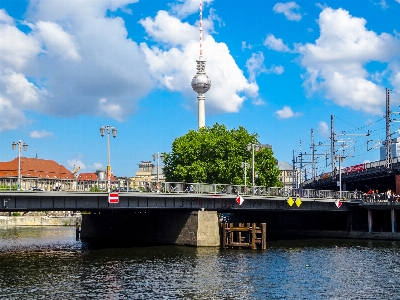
201, 83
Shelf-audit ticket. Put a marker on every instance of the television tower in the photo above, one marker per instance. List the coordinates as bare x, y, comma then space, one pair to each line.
201, 83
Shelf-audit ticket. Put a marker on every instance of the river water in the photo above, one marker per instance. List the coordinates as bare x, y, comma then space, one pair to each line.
48, 263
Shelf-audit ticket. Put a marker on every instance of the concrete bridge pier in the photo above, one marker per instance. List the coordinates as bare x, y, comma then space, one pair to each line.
370, 220
141, 227
349, 227
393, 220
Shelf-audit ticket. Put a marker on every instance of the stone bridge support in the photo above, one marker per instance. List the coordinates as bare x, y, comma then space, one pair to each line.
192, 228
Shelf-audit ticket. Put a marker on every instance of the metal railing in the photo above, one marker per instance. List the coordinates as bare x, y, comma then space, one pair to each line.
200, 188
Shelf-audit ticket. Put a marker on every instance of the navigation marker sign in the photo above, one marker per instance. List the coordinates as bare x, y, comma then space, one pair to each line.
338, 203
239, 200
113, 198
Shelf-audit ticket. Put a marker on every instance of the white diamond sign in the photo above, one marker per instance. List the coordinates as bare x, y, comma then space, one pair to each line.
239, 200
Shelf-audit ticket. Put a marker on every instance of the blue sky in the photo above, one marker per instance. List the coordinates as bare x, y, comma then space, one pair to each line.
279, 69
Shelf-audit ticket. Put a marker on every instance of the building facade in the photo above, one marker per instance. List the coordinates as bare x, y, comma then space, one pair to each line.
44, 174
95, 181
287, 175
395, 149
146, 177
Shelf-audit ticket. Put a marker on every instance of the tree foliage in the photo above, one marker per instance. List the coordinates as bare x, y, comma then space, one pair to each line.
215, 155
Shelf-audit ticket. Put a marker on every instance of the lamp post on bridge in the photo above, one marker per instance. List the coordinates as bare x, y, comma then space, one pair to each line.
245, 165
157, 156
20, 146
112, 130
251, 147
340, 159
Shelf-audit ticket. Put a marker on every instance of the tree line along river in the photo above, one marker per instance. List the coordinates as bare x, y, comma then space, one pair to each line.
48, 263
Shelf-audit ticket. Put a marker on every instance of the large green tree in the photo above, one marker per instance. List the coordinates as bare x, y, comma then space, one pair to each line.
215, 155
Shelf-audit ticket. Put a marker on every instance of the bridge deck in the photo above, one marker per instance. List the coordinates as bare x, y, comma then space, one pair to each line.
74, 201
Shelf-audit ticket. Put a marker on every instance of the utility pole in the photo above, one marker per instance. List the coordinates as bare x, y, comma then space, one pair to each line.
388, 135
332, 144
294, 179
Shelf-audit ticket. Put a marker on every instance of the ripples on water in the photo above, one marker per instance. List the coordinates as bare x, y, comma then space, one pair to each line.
47, 263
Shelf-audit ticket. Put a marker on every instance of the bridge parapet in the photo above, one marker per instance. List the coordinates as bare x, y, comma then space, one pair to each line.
67, 201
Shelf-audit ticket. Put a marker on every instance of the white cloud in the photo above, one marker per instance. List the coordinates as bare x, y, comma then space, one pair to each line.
11, 117
73, 57
17, 48
5, 18
246, 46
57, 11
286, 113
111, 110
187, 7
255, 66
278, 70
288, 9
97, 166
16, 95
76, 162
57, 41
228, 83
38, 134
167, 29
323, 128
383, 4
258, 102
275, 43
22, 93
335, 63
396, 80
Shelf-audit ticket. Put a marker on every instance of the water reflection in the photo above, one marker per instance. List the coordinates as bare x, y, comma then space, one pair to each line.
47, 263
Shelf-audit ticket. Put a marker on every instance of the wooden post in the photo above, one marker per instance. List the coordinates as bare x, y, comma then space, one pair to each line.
240, 233
253, 236
230, 233
78, 230
223, 225
263, 236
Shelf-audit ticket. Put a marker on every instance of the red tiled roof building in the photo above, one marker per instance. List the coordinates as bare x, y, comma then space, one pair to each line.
93, 176
35, 168
45, 174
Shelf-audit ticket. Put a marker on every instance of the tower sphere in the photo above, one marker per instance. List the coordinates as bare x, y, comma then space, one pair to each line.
201, 83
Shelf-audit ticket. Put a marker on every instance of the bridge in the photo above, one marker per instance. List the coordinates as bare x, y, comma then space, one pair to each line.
93, 202
192, 218
374, 175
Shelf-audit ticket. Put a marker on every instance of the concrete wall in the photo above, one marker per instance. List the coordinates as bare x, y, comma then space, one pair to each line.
37, 221
197, 228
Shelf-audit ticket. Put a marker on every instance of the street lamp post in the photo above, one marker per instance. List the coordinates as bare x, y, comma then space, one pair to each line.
20, 146
340, 159
251, 147
157, 156
245, 165
112, 130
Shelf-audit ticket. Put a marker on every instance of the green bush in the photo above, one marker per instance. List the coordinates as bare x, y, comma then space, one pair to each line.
6, 187
94, 188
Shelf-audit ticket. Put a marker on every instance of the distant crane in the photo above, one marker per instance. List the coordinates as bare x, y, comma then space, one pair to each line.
75, 170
